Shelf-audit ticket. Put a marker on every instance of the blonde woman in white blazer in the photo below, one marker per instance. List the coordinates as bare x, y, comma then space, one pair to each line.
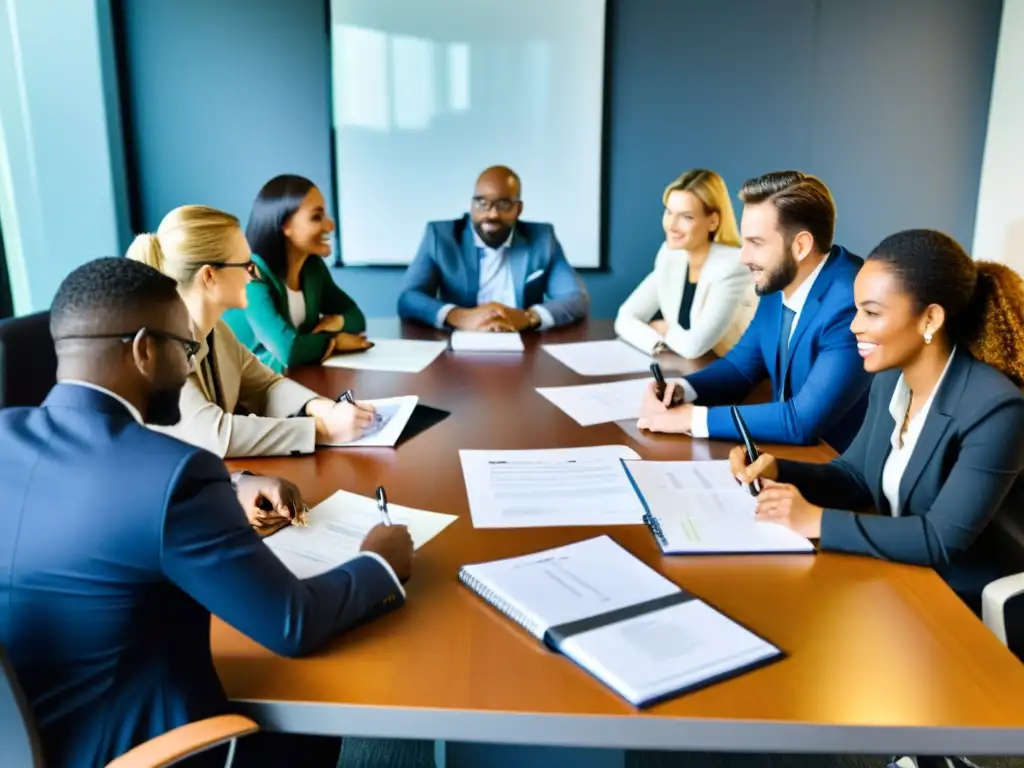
699, 265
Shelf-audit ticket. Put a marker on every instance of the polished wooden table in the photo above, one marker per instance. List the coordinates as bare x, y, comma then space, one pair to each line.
883, 658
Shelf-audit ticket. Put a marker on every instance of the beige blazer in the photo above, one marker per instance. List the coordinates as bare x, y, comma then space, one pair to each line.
251, 418
723, 304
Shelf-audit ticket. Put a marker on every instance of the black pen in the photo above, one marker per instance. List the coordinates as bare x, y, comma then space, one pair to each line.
348, 397
678, 396
748, 444
382, 505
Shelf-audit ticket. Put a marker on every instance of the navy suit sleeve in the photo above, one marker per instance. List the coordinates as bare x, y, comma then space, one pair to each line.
840, 483
210, 552
418, 298
836, 382
730, 379
990, 461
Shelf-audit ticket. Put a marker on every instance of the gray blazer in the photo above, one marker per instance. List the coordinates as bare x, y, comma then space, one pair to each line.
965, 469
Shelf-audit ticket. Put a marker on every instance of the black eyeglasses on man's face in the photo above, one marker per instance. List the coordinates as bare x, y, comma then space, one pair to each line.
191, 346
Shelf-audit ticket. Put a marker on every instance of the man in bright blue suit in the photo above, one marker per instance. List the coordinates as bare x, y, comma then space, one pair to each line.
121, 541
799, 338
489, 271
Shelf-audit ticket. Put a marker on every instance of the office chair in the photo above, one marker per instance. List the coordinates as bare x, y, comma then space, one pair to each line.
19, 742
28, 363
1002, 601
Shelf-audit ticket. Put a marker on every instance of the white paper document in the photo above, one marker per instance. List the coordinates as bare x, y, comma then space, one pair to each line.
589, 404
395, 413
561, 486
400, 355
486, 341
338, 525
600, 358
700, 508
617, 618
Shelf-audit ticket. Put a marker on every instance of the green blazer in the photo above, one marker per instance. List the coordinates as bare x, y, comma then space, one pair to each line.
278, 343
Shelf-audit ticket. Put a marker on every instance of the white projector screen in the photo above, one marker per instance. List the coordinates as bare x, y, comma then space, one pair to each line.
428, 93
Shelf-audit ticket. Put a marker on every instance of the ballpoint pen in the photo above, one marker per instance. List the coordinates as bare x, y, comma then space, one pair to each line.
748, 444
678, 396
348, 397
382, 505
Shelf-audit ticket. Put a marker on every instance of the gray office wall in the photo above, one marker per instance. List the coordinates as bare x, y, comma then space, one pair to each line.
886, 100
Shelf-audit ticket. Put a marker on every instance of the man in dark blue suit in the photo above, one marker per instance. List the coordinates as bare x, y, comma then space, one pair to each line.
799, 338
489, 271
121, 541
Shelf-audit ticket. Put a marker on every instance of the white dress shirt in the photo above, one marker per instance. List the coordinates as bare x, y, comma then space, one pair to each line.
296, 307
496, 282
699, 419
896, 463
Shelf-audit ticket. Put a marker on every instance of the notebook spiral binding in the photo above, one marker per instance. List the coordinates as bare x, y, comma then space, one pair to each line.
652, 522
491, 597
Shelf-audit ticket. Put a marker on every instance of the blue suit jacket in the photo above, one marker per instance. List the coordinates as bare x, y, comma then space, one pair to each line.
447, 265
826, 386
119, 542
965, 469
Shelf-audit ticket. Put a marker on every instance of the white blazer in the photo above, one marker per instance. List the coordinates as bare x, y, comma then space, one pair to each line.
723, 304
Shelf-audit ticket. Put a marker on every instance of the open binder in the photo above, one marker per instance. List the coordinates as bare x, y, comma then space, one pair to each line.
621, 621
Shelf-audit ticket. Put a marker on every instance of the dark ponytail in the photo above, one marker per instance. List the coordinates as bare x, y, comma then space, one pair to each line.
984, 301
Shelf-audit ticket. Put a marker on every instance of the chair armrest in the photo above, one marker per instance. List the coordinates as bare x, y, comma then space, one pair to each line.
993, 603
185, 741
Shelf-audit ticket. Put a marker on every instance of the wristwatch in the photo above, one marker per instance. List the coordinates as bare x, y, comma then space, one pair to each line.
535, 320
659, 347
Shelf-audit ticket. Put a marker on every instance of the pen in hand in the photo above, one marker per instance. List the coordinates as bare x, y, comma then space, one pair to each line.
382, 505
748, 444
678, 396
348, 397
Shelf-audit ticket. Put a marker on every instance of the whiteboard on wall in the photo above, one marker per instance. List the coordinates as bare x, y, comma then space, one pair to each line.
428, 93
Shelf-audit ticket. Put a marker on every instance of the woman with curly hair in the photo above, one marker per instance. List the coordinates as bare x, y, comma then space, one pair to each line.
941, 450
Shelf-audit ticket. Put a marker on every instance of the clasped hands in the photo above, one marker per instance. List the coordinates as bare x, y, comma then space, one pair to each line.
341, 341
491, 317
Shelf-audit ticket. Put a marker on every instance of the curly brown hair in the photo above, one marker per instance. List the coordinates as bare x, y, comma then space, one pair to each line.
984, 301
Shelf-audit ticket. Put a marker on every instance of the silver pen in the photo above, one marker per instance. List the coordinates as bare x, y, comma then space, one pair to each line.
382, 505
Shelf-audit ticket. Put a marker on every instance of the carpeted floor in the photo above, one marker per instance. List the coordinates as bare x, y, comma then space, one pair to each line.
374, 753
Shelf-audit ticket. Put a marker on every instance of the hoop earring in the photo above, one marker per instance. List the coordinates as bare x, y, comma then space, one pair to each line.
927, 337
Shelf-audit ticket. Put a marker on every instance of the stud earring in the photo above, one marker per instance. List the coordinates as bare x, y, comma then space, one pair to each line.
927, 337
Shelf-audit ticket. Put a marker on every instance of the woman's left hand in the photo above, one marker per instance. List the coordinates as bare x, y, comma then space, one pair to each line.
783, 503
330, 324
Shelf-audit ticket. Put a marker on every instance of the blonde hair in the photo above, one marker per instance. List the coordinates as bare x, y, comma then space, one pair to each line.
708, 187
188, 238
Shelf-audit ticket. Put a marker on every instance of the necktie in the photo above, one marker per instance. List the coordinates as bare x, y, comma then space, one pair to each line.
787, 326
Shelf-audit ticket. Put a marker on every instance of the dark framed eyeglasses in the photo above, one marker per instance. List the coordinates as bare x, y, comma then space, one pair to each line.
191, 346
501, 205
249, 266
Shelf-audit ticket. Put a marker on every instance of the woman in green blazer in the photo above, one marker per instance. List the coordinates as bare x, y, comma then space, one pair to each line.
297, 313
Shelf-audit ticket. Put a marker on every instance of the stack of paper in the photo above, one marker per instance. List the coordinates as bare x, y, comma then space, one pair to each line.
698, 507
486, 341
590, 404
561, 486
394, 413
620, 620
600, 358
337, 527
402, 355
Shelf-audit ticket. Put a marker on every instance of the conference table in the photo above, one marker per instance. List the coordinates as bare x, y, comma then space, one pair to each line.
880, 658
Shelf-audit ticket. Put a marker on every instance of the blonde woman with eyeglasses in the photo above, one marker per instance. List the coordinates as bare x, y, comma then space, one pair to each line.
699, 298
233, 404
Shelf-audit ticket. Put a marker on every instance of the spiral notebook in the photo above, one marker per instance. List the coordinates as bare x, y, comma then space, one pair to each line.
697, 507
621, 621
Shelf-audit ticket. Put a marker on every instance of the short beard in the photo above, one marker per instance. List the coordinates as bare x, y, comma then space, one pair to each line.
781, 276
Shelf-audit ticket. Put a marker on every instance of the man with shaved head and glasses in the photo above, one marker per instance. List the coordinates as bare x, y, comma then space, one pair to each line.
122, 540
490, 271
